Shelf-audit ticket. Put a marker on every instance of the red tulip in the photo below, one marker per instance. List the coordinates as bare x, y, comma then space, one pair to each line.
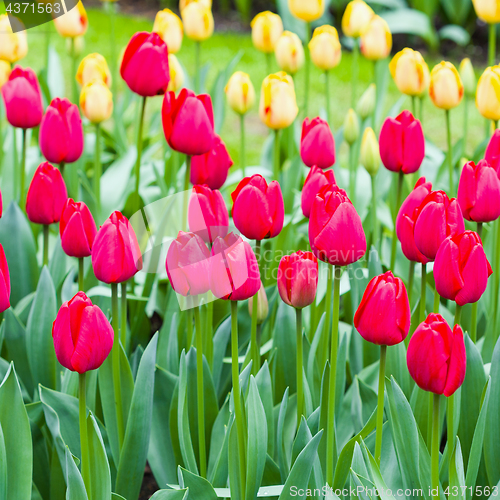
437, 218
479, 192
145, 65
234, 272
317, 146
82, 335
211, 168
4, 282
61, 132
315, 180
116, 255
47, 195
77, 229
335, 230
22, 98
298, 279
258, 209
492, 155
402, 143
405, 221
188, 122
436, 356
383, 316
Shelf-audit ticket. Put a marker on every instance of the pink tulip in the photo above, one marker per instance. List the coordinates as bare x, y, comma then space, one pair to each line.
77, 229
316, 179
4, 282
317, 146
492, 155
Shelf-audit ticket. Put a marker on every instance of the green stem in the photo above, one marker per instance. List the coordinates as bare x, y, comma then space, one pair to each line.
81, 274
466, 122
97, 170
423, 290
74, 66
15, 165
435, 447
139, 153
209, 341
197, 48
492, 44
189, 327
414, 105
46, 245
307, 70
187, 180
473, 326
328, 314
411, 279
254, 346
269, 62
352, 172
242, 150
47, 46
355, 72
398, 204
300, 367
496, 276
201, 395
123, 329
22, 169
327, 95
84, 443
421, 113
450, 149
277, 165
374, 213
437, 299
380, 405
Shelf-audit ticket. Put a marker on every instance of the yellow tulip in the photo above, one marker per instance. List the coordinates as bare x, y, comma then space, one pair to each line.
289, 52
325, 48
307, 10
13, 46
370, 153
468, 77
96, 101
176, 73
488, 10
488, 93
356, 18
184, 3
410, 72
376, 40
74, 23
240, 93
169, 26
446, 89
267, 27
93, 67
198, 21
4, 72
278, 105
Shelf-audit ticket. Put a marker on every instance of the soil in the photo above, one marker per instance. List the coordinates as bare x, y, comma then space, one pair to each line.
149, 485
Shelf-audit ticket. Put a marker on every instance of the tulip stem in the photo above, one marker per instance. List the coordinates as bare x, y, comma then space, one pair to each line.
139, 153
22, 202
187, 178
269, 62
380, 405
73, 71
46, 245
411, 279
97, 171
238, 409
352, 178
414, 105
437, 299
197, 48
277, 165
201, 395
328, 313
300, 367
496, 276
123, 329
398, 204
242, 150
473, 326
84, 444
254, 346
492, 44
327, 95
374, 213
81, 274
466, 122
450, 149
308, 69
435, 447
423, 291
355, 72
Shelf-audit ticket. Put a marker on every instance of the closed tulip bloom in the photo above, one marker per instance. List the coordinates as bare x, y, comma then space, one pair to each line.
4, 282
351, 127
266, 30
437, 218
289, 52
207, 214
184, 3
74, 23
336, 233
176, 74
4, 73
96, 101
187, 264
356, 18
77, 229
188, 122
234, 271
198, 21
367, 102
369, 155
307, 11
376, 40
383, 316
212, 167
14, 46
298, 279
402, 143
325, 48
240, 93
446, 89
93, 67
315, 180
278, 105
82, 335
468, 77
488, 93
262, 305
410, 72
22, 98
487, 10
169, 26
492, 155
317, 145
436, 356
61, 132
47, 195
116, 255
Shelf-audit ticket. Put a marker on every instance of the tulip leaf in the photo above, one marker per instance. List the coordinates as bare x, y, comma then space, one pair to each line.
218, 459
264, 383
411, 22
282, 459
3, 467
170, 495
457, 10
100, 476
457, 475
234, 470
376, 475
197, 486
75, 486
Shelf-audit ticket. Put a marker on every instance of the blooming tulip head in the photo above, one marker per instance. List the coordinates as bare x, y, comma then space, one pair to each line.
278, 105
188, 122
96, 101
325, 48
298, 279
4, 73
176, 74
376, 40
93, 67
383, 316
289, 52
402, 144
14, 46
336, 233
198, 21
446, 89
315, 180
487, 10
47, 195
266, 30
436, 356
4, 282
307, 11
77, 229
258, 209
356, 18
74, 23
144, 65
22, 98
492, 155
82, 335
488, 93
116, 255
468, 77
61, 132
169, 26
240, 93
317, 145
410, 72
369, 155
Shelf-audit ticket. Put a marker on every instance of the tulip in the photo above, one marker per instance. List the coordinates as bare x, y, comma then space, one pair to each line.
262, 305
4, 282
370, 156
14, 46
73, 23
82, 335
93, 67
325, 48
317, 145
96, 101
376, 40
356, 18
307, 11
402, 143
278, 106
488, 93
198, 21
116, 255
258, 209
351, 127
410, 72
289, 52
47, 195
169, 26
188, 122
266, 30
437, 218
492, 155
207, 214
446, 89
366, 104
468, 77
240, 93
77, 229
315, 180
4, 73
211, 168
184, 3
487, 10
176, 74
144, 65
61, 132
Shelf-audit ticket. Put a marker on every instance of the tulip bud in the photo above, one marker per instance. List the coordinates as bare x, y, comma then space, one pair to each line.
169, 26
366, 104
376, 40
307, 11
351, 127
96, 101
4, 73
315, 180
14, 46
289, 52
77, 229
317, 145
198, 21
4, 282
370, 156
93, 67
492, 155
184, 3
410, 72
262, 305
278, 105
356, 18
436, 356
176, 74
83, 337
73, 23
446, 89
468, 77
240, 93
266, 30
488, 93
383, 316
487, 10
325, 48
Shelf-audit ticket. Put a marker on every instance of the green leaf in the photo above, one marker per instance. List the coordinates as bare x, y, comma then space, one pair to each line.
100, 476
457, 10
218, 458
411, 22
377, 476
75, 486
457, 475
197, 486
170, 495
265, 385
455, 33
234, 472
3, 467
